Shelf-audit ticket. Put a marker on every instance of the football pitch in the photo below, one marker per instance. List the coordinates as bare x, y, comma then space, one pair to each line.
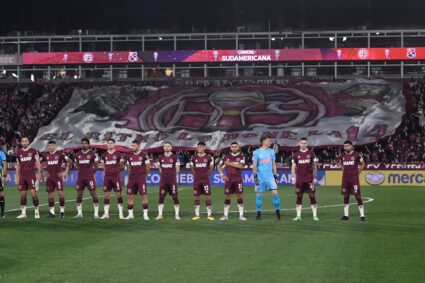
388, 247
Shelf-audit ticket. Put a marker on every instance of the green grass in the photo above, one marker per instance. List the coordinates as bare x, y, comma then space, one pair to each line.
389, 247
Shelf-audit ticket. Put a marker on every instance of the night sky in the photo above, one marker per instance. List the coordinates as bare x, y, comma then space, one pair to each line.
122, 16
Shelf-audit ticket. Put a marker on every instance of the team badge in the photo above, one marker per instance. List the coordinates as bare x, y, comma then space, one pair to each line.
205, 160
363, 53
56, 157
411, 53
88, 57
132, 57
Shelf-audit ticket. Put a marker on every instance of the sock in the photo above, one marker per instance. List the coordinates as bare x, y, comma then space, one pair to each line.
24, 209
62, 204
276, 202
176, 209
145, 212
2, 204
51, 202
361, 210
209, 210
259, 202
314, 209
79, 208
299, 208
197, 210
96, 209
346, 209
120, 209
226, 210
106, 206
130, 212
52, 210
240, 207
106, 209
36, 209
160, 209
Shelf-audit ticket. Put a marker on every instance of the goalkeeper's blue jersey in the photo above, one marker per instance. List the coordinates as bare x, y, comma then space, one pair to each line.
264, 159
2, 158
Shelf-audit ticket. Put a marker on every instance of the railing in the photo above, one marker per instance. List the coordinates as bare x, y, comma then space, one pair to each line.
11, 73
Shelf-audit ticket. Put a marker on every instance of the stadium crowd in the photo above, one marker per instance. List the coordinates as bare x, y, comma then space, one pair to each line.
24, 109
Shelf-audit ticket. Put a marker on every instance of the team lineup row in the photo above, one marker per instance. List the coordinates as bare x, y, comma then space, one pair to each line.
29, 172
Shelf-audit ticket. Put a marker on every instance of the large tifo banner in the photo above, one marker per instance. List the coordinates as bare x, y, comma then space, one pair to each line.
328, 113
200, 56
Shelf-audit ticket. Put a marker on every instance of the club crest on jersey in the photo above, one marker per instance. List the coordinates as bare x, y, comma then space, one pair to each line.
205, 160
56, 157
353, 158
308, 155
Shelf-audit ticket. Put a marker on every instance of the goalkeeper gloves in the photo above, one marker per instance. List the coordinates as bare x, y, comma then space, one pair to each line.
256, 180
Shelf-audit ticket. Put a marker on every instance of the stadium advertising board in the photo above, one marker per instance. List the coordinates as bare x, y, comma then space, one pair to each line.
184, 178
378, 178
255, 55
